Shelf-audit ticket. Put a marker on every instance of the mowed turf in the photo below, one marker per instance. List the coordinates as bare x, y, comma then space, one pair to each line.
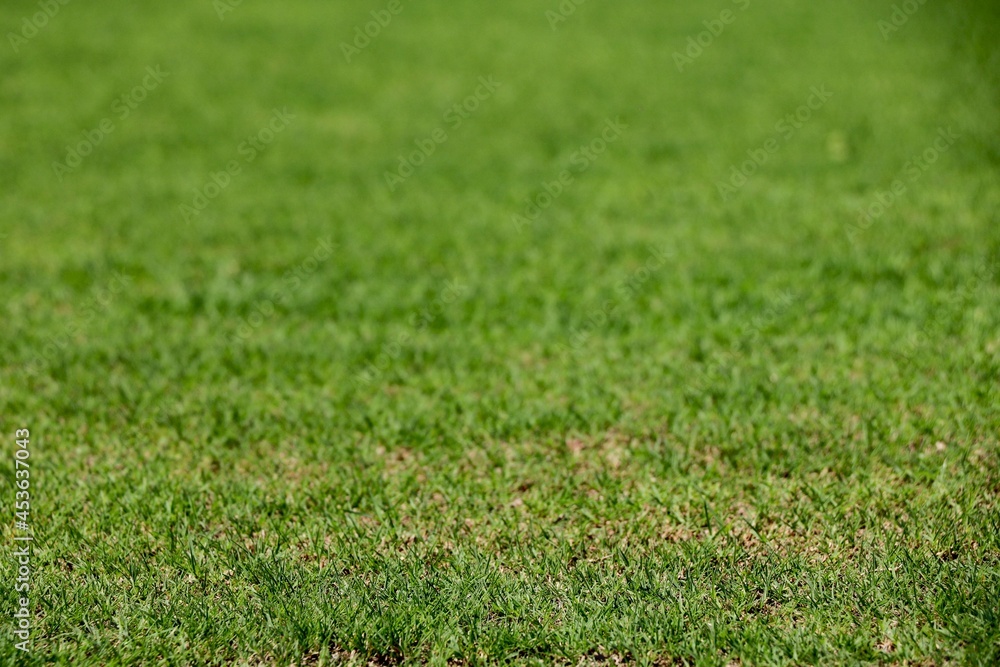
614, 362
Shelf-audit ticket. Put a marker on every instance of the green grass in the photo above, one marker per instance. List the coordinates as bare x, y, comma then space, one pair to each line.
323, 421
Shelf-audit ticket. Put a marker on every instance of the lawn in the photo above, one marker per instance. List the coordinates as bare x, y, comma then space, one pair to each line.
440, 332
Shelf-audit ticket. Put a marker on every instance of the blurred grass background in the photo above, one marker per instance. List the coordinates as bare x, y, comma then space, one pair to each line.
769, 350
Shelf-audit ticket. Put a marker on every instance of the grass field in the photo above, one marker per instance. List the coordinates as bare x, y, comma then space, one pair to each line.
622, 333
